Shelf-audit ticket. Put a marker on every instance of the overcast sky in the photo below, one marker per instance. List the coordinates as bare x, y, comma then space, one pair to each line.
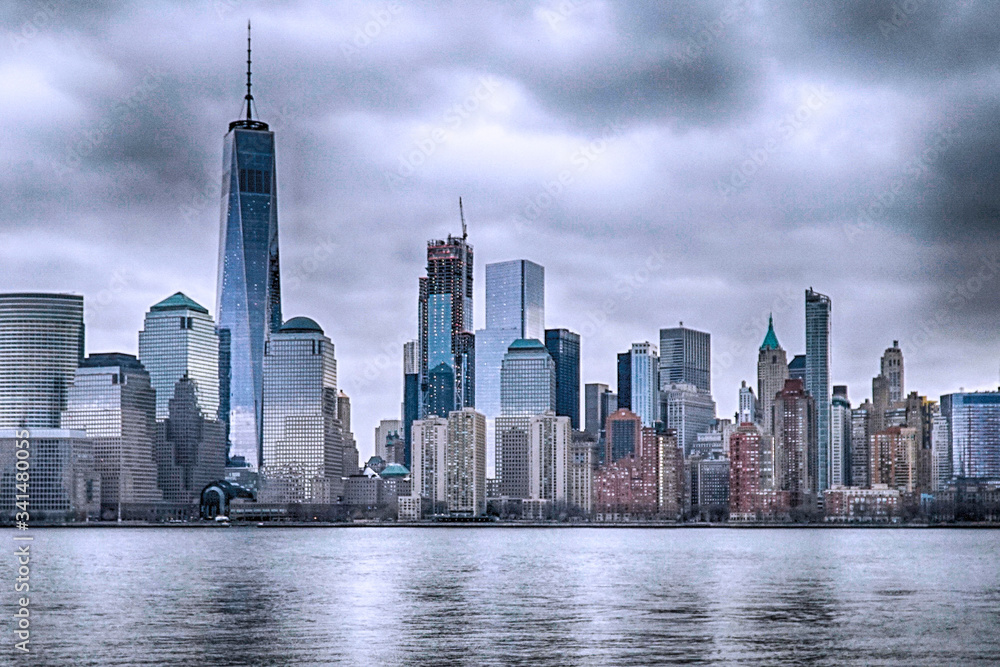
702, 162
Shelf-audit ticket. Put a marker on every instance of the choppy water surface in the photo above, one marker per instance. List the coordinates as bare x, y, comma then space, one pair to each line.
492, 596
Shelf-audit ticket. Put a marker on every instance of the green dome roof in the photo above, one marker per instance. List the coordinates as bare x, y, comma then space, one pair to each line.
526, 344
770, 340
394, 470
301, 325
179, 301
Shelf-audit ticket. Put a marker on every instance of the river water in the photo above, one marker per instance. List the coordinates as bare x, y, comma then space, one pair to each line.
511, 596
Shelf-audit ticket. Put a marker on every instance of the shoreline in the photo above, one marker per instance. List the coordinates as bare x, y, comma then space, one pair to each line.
517, 524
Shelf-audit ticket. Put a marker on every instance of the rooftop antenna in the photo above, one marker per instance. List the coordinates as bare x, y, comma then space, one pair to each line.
249, 96
461, 214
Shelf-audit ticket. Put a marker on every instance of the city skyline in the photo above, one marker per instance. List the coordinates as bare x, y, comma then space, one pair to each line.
658, 272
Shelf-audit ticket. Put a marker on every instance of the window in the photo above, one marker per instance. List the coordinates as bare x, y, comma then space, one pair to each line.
255, 181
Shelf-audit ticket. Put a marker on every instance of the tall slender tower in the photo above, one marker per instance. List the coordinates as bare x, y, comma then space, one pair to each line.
447, 344
818, 307
772, 371
891, 366
248, 292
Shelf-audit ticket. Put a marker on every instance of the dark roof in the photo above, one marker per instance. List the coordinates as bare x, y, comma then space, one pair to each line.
179, 301
301, 325
798, 362
112, 360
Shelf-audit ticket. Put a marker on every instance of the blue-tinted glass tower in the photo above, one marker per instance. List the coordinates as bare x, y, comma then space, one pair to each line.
564, 348
248, 290
818, 307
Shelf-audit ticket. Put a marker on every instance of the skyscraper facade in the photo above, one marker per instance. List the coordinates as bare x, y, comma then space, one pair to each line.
794, 443
515, 308
303, 441
447, 344
748, 405
973, 420
687, 410
797, 367
645, 384
41, 345
861, 431
248, 292
564, 348
527, 388
840, 438
350, 443
430, 439
411, 396
625, 380
385, 429
891, 366
190, 447
179, 340
465, 463
772, 371
686, 358
548, 457
592, 417
112, 400
818, 308
624, 431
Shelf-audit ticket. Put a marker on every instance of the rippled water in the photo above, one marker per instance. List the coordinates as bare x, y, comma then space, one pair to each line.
499, 596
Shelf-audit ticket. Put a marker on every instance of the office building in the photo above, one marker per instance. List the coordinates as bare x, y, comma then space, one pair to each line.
385, 429
351, 454
941, 465
112, 400
625, 380
564, 348
527, 388
41, 345
708, 487
447, 344
891, 367
748, 405
579, 476
430, 439
818, 309
686, 358
303, 439
840, 438
593, 419
179, 340
687, 410
797, 367
623, 435
973, 420
190, 447
772, 371
644, 382
515, 308
861, 432
248, 291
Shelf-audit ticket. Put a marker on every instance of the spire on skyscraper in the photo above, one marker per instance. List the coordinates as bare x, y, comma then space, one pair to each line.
249, 96
770, 340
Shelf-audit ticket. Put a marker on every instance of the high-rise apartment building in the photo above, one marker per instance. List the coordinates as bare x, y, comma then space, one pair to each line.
840, 438
686, 358
447, 344
794, 444
564, 348
41, 345
464, 465
894, 454
748, 405
430, 439
861, 432
548, 457
579, 476
112, 400
303, 440
248, 292
751, 472
645, 385
772, 371
351, 455
818, 309
411, 396
179, 340
527, 388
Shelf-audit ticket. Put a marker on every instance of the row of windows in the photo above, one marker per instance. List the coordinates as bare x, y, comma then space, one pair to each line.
255, 181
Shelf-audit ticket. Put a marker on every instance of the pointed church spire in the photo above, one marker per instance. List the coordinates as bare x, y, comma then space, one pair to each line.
770, 340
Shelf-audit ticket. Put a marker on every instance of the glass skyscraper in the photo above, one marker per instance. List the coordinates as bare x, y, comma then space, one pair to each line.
248, 290
515, 308
411, 397
973, 431
818, 307
41, 344
686, 358
645, 385
179, 340
564, 348
303, 447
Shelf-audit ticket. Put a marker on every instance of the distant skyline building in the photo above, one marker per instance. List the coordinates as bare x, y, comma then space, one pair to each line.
687, 410
564, 348
748, 405
527, 388
861, 432
465, 463
351, 455
894, 454
447, 344
797, 367
686, 358
751, 472
840, 437
818, 310
794, 444
623, 435
593, 419
385, 428
772, 371
430, 439
411, 396
891, 366
579, 476
190, 447
973, 430
303, 439
548, 457
112, 400
41, 345
645, 382
625, 380
515, 308
248, 292
179, 340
